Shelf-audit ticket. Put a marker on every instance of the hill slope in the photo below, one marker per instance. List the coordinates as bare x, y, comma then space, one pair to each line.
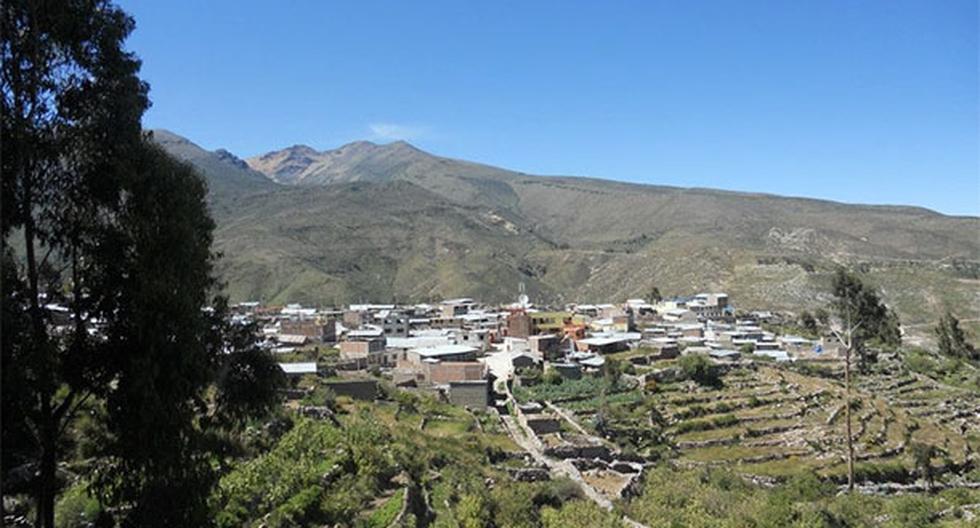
375, 222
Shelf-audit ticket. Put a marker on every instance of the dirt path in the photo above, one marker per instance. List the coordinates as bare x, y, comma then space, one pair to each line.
524, 437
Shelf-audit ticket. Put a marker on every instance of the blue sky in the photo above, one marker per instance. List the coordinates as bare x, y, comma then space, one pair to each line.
857, 101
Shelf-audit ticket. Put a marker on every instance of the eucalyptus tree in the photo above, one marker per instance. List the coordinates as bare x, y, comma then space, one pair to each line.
109, 290
860, 316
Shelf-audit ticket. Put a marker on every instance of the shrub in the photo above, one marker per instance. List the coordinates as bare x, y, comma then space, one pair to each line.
727, 420
698, 368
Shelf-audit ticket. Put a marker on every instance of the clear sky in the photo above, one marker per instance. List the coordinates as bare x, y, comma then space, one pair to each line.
857, 101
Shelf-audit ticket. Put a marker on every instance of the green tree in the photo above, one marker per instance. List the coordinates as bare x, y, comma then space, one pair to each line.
808, 323
70, 122
612, 373
822, 316
655, 295
861, 315
698, 367
170, 344
579, 514
922, 456
108, 272
858, 305
248, 380
952, 340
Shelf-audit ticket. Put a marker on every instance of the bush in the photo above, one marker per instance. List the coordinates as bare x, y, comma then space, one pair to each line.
727, 420
386, 513
881, 472
552, 377
698, 368
77, 507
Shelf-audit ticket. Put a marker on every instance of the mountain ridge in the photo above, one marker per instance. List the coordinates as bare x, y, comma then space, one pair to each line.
442, 227
253, 163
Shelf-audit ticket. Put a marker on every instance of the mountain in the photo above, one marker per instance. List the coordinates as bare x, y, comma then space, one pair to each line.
379, 222
228, 176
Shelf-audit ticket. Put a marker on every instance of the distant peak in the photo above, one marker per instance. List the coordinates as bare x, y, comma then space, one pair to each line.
367, 146
228, 157
295, 151
305, 149
357, 146
402, 144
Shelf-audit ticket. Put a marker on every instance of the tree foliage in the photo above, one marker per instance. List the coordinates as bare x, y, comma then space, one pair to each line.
108, 276
698, 368
858, 305
70, 126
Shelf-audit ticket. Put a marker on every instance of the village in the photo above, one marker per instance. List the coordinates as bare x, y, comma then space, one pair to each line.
490, 359
458, 348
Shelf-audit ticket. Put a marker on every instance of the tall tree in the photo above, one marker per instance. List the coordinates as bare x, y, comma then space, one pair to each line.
107, 278
164, 344
71, 109
860, 316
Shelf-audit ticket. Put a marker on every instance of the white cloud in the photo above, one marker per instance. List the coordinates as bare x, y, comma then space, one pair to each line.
394, 131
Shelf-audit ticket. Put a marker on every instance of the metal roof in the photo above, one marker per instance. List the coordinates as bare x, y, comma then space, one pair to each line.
298, 368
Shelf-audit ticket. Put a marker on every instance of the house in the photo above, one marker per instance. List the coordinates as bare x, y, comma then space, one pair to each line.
709, 305
796, 344
639, 306
416, 356
524, 361
725, 355
677, 315
291, 339
472, 394
519, 324
588, 310
570, 371
550, 322
454, 307
767, 345
546, 345
690, 329
365, 347
354, 318
314, 330
603, 345
441, 372
654, 331
394, 323
688, 341
778, 355
298, 369
593, 364
296, 310
665, 347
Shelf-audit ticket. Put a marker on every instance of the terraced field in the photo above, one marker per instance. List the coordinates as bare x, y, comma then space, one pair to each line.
771, 421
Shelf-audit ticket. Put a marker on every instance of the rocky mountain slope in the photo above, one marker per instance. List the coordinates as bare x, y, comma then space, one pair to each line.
379, 222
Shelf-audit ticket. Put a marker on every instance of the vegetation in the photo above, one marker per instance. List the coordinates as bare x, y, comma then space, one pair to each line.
130, 399
113, 340
700, 369
859, 306
569, 390
952, 340
719, 498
